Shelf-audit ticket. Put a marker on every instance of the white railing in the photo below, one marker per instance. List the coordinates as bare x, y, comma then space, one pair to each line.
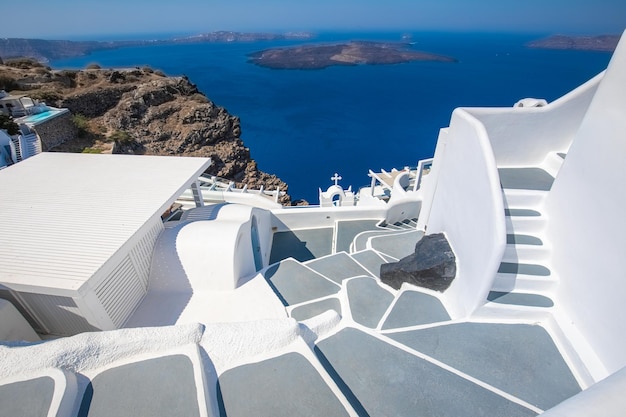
423, 168
214, 183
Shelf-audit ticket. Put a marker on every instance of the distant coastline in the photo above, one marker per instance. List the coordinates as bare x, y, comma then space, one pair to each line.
49, 50
353, 53
319, 56
602, 43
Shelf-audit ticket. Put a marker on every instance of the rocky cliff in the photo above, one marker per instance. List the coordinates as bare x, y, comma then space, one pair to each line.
141, 111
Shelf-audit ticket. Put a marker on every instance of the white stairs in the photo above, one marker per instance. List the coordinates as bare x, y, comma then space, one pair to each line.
524, 282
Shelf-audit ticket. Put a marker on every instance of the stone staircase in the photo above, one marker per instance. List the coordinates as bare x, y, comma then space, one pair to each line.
386, 333
524, 280
407, 224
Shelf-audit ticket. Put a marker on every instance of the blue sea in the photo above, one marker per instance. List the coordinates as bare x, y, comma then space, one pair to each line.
305, 125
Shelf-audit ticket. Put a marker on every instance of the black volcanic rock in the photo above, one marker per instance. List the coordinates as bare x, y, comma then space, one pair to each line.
432, 266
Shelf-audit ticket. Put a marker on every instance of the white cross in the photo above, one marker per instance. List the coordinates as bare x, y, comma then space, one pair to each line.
336, 178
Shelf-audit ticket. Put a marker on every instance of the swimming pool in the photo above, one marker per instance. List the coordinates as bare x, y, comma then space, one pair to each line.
42, 117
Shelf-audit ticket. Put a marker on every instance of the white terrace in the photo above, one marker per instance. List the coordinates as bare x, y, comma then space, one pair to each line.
241, 310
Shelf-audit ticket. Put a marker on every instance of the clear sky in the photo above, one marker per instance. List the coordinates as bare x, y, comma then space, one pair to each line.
68, 19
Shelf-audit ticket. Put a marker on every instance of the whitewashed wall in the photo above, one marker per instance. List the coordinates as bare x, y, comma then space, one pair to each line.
467, 206
318, 217
587, 226
522, 136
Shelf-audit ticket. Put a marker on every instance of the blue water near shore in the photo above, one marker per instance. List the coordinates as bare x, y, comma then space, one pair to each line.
303, 125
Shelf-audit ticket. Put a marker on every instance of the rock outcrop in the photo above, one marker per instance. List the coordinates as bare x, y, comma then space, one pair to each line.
432, 266
141, 111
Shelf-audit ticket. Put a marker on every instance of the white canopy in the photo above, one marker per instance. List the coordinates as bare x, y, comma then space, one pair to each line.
62, 216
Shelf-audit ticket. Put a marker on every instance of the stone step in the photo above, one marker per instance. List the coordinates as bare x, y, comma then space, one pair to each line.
525, 225
519, 239
406, 224
525, 178
521, 212
552, 163
525, 253
524, 268
524, 277
506, 282
359, 243
520, 299
524, 198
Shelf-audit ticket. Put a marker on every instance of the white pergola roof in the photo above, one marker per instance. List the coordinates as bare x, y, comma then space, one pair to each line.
62, 216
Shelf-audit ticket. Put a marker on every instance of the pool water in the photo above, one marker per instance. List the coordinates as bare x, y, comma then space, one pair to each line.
41, 117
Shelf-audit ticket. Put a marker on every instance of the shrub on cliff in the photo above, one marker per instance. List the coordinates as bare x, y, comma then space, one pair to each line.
121, 137
82, 124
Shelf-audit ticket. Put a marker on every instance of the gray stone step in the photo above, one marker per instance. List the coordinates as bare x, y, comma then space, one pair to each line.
524, 278
519, 359
368, 301
524, 269
521, 212
414, 308
520, 299
370, 260
387, 381
517, 253
338, 267
520, 239
397, 245
306, 311
294, 283
288, 385
530, 178
346, 231
524, 198
528, 225
360, 241
164, 386
504, 282
302, 245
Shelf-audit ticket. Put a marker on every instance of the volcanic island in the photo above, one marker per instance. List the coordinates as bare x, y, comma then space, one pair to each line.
319, 56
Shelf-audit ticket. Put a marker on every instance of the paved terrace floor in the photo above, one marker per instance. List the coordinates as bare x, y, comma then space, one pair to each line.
398, 353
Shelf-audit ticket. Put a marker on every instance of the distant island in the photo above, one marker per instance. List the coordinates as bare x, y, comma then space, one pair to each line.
47, 50
603, 43
318, 56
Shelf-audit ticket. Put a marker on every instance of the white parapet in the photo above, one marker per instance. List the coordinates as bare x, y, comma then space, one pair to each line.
225, 243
